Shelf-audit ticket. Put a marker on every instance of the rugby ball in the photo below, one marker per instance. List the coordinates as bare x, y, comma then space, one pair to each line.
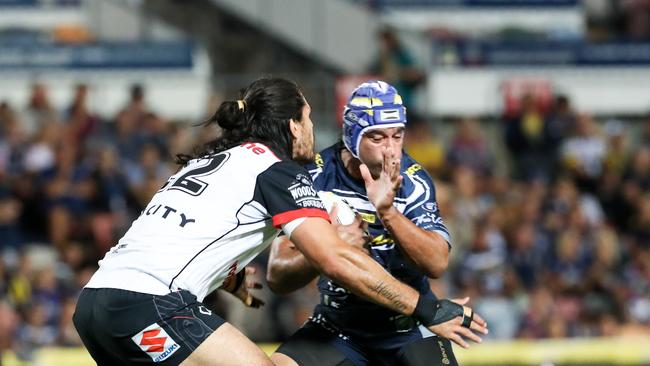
346, 213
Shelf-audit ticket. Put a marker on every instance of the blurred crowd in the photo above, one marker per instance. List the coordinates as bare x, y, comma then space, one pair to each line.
549, 211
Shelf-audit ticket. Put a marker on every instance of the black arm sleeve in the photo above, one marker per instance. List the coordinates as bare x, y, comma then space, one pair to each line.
287, 191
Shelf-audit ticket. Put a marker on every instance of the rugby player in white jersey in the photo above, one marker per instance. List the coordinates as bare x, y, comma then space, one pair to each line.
206, 223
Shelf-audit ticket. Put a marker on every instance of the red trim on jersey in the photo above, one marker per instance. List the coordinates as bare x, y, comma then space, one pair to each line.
288, 216
268, 149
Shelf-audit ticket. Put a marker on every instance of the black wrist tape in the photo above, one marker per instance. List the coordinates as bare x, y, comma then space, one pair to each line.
425, 311
433, 312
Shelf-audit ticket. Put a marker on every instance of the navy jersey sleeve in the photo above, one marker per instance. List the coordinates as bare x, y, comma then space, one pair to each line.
421, 205
287, 192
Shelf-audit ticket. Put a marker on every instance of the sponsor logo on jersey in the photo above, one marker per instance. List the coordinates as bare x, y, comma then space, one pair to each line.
413, 168
368, 217
428, 218
318, 160
430, 206
302, 179
156, 343
443, 352
310, 203
382, 240
303, 191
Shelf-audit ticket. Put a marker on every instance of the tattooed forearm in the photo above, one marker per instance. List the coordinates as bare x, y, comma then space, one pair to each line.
389, 294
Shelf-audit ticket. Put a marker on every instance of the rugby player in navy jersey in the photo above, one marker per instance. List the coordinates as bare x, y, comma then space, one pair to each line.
224, 206
396, 199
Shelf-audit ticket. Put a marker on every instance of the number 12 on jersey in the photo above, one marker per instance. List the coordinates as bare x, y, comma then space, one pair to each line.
189, 182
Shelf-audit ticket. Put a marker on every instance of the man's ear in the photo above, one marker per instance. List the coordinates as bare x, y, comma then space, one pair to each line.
294, 128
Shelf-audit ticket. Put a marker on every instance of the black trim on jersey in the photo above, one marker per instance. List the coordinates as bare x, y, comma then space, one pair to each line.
212, 242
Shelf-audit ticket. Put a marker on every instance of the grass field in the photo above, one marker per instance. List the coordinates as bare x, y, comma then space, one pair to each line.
599, 351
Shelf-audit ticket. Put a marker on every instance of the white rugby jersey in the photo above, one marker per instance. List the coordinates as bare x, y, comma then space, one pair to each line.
208, 222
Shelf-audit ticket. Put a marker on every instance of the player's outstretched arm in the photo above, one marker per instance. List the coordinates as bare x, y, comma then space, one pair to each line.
288, 270
354, 270
350, 267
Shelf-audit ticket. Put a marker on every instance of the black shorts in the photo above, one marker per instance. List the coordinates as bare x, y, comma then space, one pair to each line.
120, 327
316, 345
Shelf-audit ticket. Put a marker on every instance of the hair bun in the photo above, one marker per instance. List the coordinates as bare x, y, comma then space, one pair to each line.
230, 115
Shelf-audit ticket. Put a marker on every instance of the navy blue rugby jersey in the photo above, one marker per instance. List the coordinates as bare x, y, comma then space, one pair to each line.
416, 199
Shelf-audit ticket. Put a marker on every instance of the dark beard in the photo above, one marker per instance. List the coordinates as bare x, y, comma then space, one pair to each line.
303, 160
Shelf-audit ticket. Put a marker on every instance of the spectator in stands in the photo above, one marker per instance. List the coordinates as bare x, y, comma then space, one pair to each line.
645, 131
483, 265
126, 136
560, 119
156, 133
47, 293
147, 174
583, 153
19, 284
39, 111
638, 173
68, 191
136, 108
396, 66
529, 252
39, 155
10, 210
531, 142
112, 201
470, 149
9, 321
34, 333
12, 140
617, 154
538, 314
67, 334
81, 121
467, 208
640, 226
7, 117
572, 259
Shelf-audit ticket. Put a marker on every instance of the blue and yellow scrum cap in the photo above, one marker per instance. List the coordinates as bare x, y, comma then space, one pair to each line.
373, 104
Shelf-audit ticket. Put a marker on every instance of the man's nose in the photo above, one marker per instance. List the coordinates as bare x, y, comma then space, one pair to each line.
391, 145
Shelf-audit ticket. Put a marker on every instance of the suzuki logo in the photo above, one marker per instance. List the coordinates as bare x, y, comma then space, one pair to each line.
149, 339
156, 342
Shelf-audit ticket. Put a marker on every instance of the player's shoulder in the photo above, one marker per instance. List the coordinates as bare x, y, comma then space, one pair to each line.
323, 158
324, 162
263, 161
411, 168
285, 167
252, 157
